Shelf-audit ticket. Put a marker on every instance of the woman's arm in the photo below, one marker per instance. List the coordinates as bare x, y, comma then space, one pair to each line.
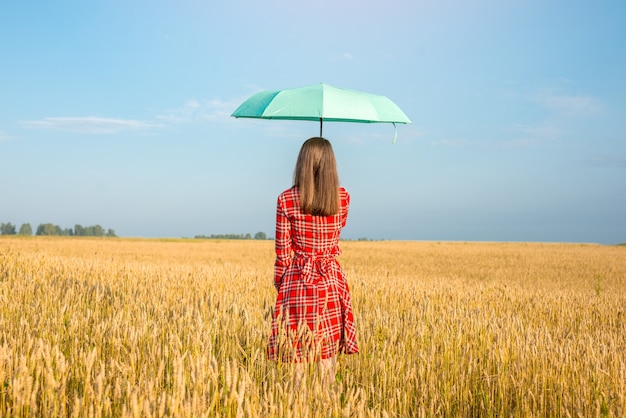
345, 206
282, 244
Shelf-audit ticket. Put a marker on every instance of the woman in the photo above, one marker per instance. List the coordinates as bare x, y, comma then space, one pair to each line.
313, 319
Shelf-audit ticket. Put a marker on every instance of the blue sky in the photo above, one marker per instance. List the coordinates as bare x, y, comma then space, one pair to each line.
117, 113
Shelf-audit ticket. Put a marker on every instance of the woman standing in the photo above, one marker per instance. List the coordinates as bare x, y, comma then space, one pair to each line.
313, 319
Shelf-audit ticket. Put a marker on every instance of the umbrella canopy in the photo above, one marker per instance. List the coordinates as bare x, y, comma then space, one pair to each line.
321, 102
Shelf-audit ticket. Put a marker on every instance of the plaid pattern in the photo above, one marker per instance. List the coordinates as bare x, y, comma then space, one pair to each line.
313, 317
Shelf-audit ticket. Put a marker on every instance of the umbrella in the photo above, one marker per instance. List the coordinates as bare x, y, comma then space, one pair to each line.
321, 102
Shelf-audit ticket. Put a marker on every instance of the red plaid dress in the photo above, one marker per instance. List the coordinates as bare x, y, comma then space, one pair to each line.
313, 317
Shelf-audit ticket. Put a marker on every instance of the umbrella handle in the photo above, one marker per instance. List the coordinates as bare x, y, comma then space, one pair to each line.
396, 134
321, 128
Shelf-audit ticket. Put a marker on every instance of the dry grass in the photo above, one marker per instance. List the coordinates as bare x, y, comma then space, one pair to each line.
121, 327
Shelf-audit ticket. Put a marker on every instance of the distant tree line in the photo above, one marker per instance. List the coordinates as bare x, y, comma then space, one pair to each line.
258, 235
50, 229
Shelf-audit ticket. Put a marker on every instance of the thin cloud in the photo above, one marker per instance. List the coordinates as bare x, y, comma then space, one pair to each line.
454, 143
556, 124
607, 161
545, 131
4, 137
88, 125
572, 106
196, 111
192, 111
509, 137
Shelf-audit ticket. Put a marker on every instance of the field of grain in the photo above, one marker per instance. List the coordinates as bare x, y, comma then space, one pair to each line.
133, 327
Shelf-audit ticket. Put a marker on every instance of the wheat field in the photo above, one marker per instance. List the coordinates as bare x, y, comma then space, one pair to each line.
151, 328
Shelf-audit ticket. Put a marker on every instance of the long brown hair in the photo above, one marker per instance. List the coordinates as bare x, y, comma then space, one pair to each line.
316, 178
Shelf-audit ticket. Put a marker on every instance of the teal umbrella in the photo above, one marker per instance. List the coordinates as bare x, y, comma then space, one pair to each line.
321, 102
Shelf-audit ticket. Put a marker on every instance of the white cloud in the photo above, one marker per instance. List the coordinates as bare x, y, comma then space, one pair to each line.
4, 137
347, 55
193, 111
608, 161
544, 131
88, 124
445, 142
573, 106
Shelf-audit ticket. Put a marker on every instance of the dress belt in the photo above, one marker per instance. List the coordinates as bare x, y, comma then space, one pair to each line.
308, 262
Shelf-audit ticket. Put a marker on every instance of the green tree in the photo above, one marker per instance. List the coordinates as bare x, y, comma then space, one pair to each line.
48, 229
260, 235
26, 229
79, 231
94, 231
7, 228
89, 231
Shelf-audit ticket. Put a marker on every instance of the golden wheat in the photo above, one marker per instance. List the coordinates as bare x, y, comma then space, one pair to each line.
152, 328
